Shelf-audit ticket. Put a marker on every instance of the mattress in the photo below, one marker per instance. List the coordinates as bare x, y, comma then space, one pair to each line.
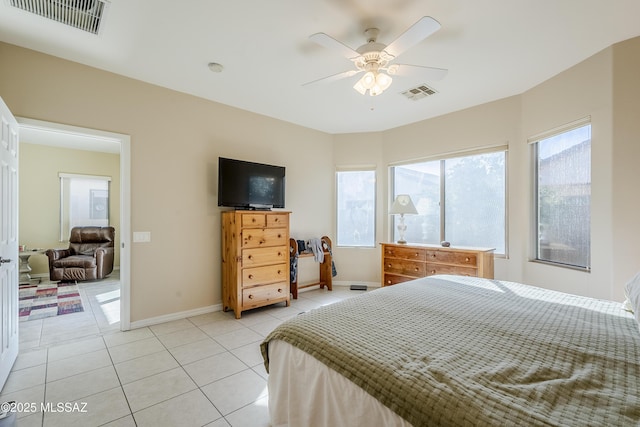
449, 350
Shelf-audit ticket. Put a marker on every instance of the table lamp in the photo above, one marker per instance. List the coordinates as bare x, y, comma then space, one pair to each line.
402, 205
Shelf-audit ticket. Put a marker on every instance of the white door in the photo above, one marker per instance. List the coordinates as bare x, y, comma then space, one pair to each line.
9, 263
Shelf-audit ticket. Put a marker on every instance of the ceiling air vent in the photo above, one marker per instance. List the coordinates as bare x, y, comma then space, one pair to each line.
85, 15
419, 92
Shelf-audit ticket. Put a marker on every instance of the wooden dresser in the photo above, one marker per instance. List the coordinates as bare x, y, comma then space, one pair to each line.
401, 263
255, 259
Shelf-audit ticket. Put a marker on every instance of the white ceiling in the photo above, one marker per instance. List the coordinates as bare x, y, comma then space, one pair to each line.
492, 49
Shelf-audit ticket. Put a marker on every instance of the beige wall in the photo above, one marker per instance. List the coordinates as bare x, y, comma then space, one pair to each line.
604, 87
176, 139
626, 158
175, 143
40, 194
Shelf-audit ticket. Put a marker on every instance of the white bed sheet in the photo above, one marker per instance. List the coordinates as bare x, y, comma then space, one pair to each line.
308, 393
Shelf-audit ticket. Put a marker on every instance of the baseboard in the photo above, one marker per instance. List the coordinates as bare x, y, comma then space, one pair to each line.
175, 316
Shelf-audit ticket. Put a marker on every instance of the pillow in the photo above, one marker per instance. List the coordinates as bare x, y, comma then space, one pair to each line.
632, 291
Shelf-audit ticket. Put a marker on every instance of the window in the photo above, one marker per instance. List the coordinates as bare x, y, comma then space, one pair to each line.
84, 200
563, 197
356, 201
461, 200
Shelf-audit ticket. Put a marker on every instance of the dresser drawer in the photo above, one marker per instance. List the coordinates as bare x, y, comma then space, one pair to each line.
263, 237
267, 274
417, 254
277, 220
254, 220
392, 279
450, 257
404, 266
262, 295
260, 256
451, 269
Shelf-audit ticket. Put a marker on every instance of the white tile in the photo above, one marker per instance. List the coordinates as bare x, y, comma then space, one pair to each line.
221, 327
254, 415
135, 349
145, 366
266, 327
82, 385
157, 388
239, 338
76, 365
75, 348
203, 319
25, 378
30, 358
184, 336
93, 410
28, 396
236, 391
198, 350
250, 354
121, 422
126, 337
173, 326
189, 409
213, 368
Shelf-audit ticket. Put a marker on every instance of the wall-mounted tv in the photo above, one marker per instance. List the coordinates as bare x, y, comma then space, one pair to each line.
248, 185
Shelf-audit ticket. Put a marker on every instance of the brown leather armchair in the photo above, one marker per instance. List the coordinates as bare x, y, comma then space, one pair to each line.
89, 256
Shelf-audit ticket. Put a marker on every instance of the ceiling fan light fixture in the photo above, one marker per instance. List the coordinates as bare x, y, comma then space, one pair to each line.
384, 81
360, 87
375, 90
368, 80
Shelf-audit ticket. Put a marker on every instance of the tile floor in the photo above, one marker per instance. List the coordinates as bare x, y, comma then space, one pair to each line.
80, 369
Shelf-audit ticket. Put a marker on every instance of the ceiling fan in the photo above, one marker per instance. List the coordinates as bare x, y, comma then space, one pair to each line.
374, 59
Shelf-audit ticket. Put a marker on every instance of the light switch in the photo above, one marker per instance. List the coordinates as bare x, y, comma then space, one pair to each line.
141, 236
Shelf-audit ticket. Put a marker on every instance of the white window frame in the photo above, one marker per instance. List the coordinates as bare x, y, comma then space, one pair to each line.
535, 233
65, 179
441, 158
343, 169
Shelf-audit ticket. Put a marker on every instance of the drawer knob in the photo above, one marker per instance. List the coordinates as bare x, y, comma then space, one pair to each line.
250, 296
433, 272
280, 291
279, 236
388, 282
251, 276
433, 255
279, 271
279, 253
415, 269
250, 257
467, 259
389, 265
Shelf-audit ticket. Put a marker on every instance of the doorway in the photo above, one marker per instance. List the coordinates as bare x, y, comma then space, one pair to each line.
55, 134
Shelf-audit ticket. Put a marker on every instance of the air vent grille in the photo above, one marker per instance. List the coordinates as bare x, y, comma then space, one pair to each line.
85, 15
419, 92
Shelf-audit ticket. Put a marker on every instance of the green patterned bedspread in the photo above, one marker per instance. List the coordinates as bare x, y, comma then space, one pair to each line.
448, 350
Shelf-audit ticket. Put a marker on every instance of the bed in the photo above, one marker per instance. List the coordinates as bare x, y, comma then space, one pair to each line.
452, 350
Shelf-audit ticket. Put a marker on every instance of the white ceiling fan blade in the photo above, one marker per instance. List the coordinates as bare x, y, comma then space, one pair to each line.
330, 43
414, 35
333, 77
429, 73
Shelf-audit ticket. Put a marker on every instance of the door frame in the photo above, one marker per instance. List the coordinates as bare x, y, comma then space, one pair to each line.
125, 200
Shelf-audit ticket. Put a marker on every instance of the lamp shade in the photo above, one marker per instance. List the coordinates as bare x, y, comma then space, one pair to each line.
403, 205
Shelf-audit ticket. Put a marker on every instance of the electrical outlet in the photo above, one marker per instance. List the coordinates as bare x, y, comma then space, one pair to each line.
141, 236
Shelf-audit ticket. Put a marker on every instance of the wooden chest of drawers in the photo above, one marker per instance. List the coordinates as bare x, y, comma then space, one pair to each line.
401, 263
255, 259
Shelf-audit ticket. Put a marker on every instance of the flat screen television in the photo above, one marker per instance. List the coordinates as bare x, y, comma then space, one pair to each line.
248, 185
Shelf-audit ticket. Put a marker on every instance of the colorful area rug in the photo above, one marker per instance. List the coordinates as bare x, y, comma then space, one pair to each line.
49, 299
